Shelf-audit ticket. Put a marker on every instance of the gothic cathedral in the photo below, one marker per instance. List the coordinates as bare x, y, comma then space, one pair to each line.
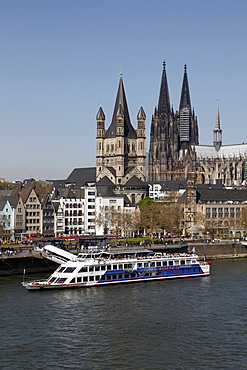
175, 152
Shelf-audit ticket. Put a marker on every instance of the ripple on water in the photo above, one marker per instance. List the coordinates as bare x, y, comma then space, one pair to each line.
197, 323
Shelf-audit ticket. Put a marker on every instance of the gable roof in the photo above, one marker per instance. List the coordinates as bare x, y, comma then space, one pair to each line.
82, 176
135, 181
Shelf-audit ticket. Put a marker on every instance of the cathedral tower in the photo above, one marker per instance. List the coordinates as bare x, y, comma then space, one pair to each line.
172, 136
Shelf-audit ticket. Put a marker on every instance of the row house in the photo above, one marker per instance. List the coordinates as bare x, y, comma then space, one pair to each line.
48, 215
33, 213
6, 217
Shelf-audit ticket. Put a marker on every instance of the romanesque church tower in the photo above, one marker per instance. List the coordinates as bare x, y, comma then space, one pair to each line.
172, 135
120, 149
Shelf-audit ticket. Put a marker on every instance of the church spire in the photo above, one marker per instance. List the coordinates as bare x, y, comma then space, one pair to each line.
217, 133
185, 93
164, 100
121, 106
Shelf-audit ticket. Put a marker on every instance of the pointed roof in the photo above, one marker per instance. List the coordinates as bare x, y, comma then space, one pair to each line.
141, 114
164, 99
217, 121
23, 192
100, 115
185, 93
121, 106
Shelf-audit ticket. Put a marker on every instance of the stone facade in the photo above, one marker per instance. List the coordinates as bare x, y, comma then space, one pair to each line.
121, 151
175, 152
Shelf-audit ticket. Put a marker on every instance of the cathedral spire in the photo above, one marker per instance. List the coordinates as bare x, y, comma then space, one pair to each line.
164, 100
185, 93
217, 133
217, 121
121, 106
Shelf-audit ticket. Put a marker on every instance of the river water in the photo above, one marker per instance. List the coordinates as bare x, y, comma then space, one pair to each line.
193, 323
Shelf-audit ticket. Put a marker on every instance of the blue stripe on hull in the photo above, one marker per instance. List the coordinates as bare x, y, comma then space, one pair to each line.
120, 281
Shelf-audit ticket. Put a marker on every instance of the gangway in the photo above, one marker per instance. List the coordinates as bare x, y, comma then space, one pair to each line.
57, 255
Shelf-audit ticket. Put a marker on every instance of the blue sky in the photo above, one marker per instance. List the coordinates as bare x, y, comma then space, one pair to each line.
60, 60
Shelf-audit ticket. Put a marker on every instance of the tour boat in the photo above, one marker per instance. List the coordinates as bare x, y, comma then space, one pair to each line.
96, 268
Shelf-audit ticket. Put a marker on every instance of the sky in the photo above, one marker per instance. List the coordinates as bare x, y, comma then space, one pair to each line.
60, 61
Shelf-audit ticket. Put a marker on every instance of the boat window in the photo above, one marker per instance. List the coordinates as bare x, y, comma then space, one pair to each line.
79, 280
91, 278
139, 264
108, 277
164, 263
85, 279
170, 263
114, 277
83, 269
91, 268
103, 268
126, 276
108, 267
60, 281
97, 268
114, 267
97, 277
102, 277
176, 262
120, 276
188, 262
61, 269
182, 262
72, 281
127, 265
52, 280
70, 269
152, 264
120, 266
158, 263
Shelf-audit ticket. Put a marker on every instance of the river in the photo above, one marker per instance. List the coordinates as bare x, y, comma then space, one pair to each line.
193, 323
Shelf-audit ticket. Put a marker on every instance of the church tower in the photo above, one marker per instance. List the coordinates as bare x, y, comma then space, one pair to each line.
121, 152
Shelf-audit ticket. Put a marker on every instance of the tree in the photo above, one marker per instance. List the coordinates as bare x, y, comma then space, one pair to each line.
6, 185
170, 213
115, 221
149, 215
